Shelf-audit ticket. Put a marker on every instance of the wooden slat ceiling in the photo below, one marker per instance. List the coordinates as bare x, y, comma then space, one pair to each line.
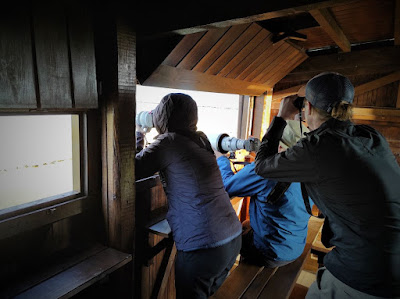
252, 57
242, 52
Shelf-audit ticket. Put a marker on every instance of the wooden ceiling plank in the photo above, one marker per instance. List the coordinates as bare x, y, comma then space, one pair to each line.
201, 48
247, 60
183, 47
234, 49
166, 76
327, 21
220, 47
260, 37
272, 57
287, 69
393, 77
397, 24
284, 56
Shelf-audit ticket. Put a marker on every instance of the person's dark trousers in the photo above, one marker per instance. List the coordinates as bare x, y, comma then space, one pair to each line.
251, 255
199, 273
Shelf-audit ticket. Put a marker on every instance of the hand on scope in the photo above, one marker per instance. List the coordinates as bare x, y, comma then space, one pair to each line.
140, 129
287, 110
219, 154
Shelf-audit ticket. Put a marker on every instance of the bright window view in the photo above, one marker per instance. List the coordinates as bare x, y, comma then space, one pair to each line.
39, 157
218, 112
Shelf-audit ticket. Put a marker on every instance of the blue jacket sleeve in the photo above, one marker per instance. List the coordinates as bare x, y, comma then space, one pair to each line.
243, 183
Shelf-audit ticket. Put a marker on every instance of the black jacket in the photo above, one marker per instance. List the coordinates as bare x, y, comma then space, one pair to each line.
352, 176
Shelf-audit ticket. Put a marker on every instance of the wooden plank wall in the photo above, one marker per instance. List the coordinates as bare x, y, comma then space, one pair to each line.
149, 273
48, 60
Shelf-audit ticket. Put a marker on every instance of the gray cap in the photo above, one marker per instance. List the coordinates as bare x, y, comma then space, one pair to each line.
325, 90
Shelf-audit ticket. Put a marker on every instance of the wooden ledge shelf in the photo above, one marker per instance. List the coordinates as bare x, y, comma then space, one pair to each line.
71, 280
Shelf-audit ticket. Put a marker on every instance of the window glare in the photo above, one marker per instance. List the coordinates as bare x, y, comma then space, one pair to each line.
36, 157
217, 112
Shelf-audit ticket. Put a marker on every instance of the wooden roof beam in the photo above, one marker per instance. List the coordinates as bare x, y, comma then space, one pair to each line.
259, 13
360, 89
397, 24
172, 77
277, 95
327, 21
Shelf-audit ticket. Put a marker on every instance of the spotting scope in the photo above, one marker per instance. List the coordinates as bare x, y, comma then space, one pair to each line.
224, 143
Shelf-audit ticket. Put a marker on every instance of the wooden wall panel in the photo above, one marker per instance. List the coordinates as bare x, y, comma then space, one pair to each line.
83, 62
17, 82
51, 42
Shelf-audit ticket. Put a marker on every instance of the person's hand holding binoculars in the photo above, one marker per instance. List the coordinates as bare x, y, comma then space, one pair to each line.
287, 109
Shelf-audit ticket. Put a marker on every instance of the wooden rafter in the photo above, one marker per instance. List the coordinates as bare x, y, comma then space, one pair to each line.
393, 77
271, 10
327, 21
166, 76
277, 95
397, 24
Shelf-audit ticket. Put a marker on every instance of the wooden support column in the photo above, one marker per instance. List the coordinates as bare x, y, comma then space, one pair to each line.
266, 117
398, 97
116, 73
397, 24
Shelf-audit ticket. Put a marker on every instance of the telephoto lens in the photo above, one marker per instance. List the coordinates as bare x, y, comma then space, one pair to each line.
145, 119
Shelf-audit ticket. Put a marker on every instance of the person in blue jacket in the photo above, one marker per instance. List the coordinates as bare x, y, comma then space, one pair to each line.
278, 231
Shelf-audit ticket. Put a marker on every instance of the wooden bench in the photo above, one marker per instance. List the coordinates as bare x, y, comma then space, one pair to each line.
251, 281
71, 275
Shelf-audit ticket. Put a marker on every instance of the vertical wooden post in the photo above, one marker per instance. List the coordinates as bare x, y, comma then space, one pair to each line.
116, 56
266, 116
397, 24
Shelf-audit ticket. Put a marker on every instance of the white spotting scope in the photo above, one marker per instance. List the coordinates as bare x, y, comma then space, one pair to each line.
145, 119
223, 143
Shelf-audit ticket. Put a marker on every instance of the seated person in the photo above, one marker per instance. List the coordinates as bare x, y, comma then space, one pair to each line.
277, 232
205, 228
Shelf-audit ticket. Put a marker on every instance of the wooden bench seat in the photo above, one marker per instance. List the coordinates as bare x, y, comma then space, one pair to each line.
70, 276
251, 281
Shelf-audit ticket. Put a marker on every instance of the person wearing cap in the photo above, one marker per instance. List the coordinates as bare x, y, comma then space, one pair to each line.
204, 225
353, 178
277, 231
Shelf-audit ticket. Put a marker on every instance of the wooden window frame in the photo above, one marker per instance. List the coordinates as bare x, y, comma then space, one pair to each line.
48, 210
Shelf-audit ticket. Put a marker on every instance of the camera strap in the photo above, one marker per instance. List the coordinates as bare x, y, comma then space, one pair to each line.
275, 195
280, 188
305, 198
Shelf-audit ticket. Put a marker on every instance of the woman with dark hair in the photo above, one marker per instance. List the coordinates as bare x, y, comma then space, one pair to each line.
205, 228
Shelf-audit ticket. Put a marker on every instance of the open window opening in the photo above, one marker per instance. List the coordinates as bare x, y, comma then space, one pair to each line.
218, 112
